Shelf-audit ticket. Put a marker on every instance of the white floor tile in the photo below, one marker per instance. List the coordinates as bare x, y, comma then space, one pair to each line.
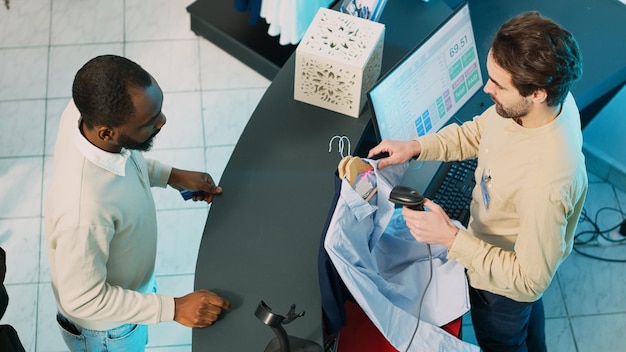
54, 109
20, 240
593, 178
600, 332
44, 267
553, 301
175, 285
87, 21
599, 195
180, 232
170, 335
48, 333
219, 70
559, 335
592, 286
47, 179
226, 114
22, 124
184, 117
20, 190
23, 73
621, 199
27, 23
174, 64
163, 19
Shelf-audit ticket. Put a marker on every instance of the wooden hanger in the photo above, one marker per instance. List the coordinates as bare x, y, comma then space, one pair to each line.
341, 168
354, 167
351, 167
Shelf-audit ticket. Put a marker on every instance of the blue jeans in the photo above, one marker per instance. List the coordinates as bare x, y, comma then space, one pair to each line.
128, 337
502, 324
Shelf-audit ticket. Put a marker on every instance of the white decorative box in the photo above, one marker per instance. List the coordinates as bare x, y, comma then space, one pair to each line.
338, 61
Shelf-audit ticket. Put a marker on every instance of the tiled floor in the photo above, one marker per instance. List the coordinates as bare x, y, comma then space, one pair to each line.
208, 98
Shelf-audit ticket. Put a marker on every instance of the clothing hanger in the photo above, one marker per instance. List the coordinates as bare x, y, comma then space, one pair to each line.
351, 168
354, 167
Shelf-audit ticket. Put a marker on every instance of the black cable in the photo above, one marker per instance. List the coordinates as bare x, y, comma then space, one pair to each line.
590, 237
419, 306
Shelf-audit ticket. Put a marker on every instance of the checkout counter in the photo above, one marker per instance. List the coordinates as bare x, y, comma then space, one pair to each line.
261, 238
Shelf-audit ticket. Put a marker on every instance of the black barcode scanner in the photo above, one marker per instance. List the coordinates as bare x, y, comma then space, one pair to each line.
408, 197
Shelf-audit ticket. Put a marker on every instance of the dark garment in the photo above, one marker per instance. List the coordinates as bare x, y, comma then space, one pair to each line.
252, 6
4, 297
502, 324
9, 341
334, 292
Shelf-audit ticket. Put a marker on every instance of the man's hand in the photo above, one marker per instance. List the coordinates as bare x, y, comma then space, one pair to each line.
199, 182
434, 226
199, 309
399, 151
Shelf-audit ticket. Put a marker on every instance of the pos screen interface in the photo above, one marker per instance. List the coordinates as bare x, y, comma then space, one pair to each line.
421, 93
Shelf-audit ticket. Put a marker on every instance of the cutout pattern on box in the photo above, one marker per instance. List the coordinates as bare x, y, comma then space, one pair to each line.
337, 61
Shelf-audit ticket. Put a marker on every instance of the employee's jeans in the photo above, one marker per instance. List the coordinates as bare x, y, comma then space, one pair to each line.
502, 324
127, 338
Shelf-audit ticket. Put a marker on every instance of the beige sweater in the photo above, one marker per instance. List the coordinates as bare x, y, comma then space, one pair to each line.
101, 233
537, 188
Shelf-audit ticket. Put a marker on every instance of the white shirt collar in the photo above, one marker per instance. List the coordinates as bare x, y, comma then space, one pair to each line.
113, 162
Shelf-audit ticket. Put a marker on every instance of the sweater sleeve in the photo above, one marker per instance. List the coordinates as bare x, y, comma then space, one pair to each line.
453, 142
80, 266
158, 173
541, 246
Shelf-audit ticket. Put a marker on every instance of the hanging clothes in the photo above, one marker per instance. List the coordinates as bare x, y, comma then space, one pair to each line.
386, 270
252, 6
290, 18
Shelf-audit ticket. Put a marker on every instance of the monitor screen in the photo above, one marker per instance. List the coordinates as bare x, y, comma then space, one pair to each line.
429, 85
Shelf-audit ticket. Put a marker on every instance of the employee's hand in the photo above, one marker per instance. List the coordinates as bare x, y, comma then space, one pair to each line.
195, 181
199, 309
434, 226
399, 151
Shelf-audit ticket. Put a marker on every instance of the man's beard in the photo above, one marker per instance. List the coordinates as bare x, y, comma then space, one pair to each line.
519, 110
145, 146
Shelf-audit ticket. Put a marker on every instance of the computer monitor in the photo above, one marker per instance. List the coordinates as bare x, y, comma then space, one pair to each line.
421, 93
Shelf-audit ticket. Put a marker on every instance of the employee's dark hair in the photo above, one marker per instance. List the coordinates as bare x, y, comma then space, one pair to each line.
539, 54
100, 90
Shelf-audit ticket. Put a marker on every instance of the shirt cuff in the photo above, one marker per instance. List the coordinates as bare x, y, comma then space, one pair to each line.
167, 308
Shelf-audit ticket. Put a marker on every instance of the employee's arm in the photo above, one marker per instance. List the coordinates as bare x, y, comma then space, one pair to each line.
399, 151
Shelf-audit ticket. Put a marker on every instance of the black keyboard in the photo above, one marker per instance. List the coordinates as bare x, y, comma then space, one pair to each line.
451, 188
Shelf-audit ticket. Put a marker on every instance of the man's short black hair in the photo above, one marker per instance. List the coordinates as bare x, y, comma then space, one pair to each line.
100, 90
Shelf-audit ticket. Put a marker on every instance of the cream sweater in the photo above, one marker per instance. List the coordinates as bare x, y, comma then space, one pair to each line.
537, 188
101, 232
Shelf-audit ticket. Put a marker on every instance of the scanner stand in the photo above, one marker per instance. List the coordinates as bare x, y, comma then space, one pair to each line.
283, 342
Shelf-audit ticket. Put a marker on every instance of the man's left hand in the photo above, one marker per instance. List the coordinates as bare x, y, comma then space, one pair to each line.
434, 226
200, 183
